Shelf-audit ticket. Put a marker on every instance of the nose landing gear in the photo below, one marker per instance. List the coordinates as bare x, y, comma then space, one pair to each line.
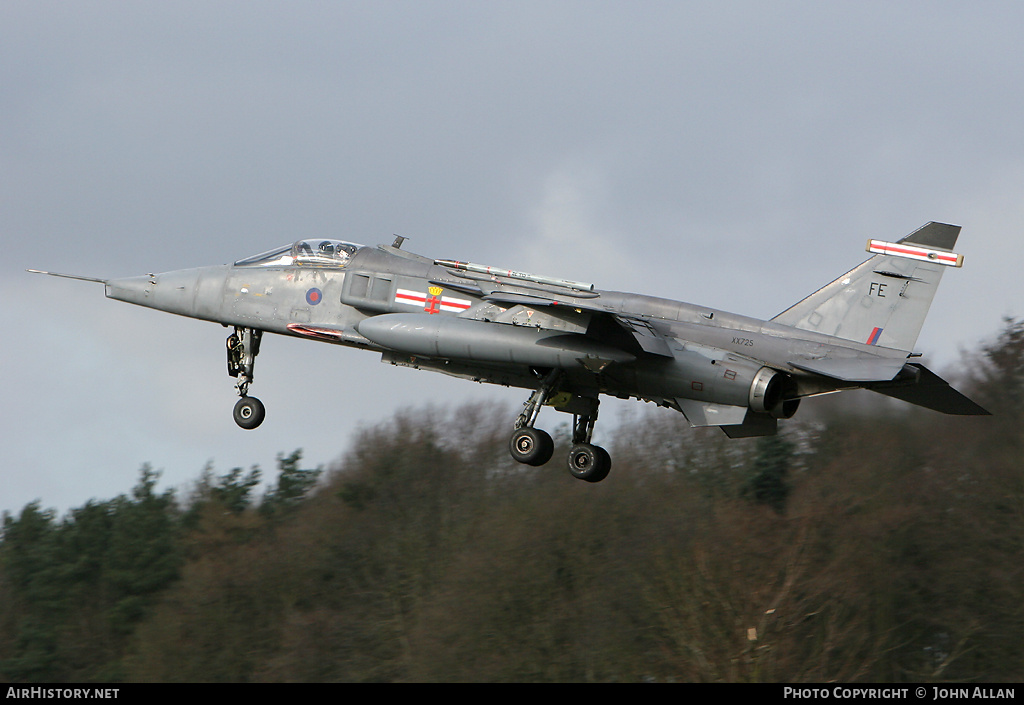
243, 345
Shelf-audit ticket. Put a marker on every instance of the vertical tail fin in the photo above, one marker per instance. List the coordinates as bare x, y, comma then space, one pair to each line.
883, 301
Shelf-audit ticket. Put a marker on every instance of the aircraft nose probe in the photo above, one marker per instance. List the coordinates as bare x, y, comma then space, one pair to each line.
68, 276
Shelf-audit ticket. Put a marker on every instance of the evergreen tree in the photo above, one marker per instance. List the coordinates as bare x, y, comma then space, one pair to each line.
78, 588
293, 484
31, 569
234, 490
768, 482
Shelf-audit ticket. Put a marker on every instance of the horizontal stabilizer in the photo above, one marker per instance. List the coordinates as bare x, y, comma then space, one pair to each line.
931, 392
854, 369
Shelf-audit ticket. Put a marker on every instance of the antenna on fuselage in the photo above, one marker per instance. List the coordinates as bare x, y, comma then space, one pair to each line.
397, 244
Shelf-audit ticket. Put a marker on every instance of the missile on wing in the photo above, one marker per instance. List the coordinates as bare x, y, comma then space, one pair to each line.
512, 274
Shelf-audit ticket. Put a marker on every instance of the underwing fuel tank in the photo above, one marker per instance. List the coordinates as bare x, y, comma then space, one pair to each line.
482, 341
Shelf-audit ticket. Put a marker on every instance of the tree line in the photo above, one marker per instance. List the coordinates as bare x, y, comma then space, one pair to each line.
870, 541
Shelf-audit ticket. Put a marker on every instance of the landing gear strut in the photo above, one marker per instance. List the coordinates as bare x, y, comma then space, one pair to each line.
587, 461
532, 446
529, 445
243, 346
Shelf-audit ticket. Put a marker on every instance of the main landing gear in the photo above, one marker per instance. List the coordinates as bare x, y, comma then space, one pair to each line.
531, 446
243, 346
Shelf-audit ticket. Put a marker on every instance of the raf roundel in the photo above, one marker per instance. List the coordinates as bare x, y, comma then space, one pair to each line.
314, 296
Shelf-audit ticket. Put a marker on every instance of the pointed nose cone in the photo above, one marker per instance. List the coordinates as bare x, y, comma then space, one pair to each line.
134, 290
174, 292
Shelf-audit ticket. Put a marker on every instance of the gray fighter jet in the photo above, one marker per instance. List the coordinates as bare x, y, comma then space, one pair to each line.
569, 342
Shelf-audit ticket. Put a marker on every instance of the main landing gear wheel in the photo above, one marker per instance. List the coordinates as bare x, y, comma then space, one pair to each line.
531, 446
249, 412
589, 462
586, 461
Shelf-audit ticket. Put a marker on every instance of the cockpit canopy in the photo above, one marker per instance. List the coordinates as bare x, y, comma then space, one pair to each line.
305, 253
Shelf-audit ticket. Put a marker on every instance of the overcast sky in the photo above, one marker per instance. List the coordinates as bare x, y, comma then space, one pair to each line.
733, 154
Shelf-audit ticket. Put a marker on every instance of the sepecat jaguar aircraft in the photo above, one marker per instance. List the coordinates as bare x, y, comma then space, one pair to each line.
569, 342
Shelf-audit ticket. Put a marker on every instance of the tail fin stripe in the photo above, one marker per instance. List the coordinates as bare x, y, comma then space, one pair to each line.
880, 247
859, 307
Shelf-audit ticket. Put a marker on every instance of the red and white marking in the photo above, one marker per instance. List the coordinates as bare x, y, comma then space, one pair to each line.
413, 298
454, 305
432, 304
950, 259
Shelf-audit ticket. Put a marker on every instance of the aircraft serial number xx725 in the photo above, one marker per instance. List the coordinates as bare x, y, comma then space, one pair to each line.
570, 343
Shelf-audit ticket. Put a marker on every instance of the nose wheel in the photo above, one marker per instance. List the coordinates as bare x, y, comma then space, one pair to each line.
243, 346
249, 412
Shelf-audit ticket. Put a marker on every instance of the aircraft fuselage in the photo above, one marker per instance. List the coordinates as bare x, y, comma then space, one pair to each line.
569, 342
